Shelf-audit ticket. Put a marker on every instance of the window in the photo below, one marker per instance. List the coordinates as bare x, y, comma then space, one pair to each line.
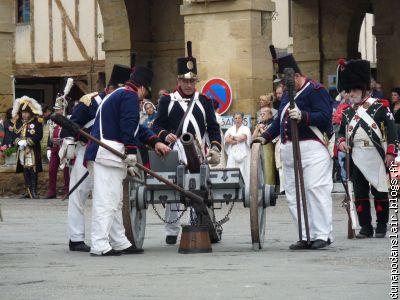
24, 11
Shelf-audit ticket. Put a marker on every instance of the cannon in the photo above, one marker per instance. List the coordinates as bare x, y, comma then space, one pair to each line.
215, 186
194, 183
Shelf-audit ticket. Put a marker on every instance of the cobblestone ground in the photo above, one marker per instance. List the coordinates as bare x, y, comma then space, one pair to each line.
35, 262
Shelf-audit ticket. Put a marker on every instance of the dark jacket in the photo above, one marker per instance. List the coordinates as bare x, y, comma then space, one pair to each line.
32, 132
168, 122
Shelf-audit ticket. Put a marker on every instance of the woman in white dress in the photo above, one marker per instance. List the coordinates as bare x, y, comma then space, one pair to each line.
237, 147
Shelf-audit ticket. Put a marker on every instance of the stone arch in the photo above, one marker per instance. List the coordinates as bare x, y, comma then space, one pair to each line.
117, 43
338, 24
154, 29
157, 35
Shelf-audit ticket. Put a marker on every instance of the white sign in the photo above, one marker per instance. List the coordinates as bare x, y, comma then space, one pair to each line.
227, 121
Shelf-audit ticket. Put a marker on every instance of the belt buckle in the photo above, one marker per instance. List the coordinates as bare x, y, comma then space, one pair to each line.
366, 143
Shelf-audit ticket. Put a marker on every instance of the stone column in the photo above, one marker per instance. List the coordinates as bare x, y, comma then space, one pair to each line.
230, 40
7, 29
305, 37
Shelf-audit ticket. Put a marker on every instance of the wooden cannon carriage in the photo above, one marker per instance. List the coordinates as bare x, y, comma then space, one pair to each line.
215, 186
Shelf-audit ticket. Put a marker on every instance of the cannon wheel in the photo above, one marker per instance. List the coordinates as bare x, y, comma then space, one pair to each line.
134, 219
257, 207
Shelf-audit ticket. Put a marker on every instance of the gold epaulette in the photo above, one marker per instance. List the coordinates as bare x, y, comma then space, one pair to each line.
87, 99
40, 120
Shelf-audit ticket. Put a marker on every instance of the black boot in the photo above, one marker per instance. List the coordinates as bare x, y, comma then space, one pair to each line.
27, 193
33, 189
300, 245
365, 232
380, 231
78, 246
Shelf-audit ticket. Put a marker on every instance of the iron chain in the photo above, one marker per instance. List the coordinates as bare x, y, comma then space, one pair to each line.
165, 221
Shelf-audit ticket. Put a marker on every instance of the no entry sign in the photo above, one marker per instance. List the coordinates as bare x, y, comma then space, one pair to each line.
220, 90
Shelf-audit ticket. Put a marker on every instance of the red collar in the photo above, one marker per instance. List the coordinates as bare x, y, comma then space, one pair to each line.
131, 87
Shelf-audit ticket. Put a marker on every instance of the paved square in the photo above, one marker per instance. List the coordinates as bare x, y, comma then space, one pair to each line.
35, 262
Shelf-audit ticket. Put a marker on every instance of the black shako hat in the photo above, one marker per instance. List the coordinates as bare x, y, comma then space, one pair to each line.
119, 75
142, 76
187, 67
283, 62
287, 61
353, 74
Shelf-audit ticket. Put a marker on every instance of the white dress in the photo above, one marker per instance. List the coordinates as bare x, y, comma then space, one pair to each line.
239, 154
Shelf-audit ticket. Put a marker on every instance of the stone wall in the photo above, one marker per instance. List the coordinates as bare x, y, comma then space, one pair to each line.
7, 28
168, 42
230, 40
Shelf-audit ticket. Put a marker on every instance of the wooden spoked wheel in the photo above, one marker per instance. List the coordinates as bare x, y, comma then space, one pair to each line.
133, 214
256, 193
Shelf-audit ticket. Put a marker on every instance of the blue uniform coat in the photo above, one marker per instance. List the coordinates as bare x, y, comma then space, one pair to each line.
120, 121
316, 108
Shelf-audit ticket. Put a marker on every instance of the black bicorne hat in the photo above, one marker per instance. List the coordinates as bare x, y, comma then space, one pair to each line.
119, 75
142, 76
187, 67
353, 74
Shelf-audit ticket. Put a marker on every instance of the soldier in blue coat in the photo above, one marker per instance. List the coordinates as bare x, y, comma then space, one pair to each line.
84, 115
116, 124
199, 121
313, 113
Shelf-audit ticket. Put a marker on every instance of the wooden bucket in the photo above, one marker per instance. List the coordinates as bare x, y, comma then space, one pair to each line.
195, 239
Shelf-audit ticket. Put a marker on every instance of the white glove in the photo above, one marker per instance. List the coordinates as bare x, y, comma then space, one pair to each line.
131, 160
22, 144
214, 156
48, 154
295, 113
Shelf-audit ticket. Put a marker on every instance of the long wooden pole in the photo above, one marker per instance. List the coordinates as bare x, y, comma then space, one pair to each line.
298, 167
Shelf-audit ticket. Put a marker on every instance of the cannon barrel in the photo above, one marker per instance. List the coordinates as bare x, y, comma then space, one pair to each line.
192, 152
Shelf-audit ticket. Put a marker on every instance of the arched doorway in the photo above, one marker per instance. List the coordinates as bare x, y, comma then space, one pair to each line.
157, 35
154, 29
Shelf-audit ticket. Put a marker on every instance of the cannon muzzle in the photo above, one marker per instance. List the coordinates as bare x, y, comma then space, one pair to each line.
192, 151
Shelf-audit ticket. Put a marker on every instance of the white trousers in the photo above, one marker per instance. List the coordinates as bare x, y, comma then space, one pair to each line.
171, 214
108, 231
317, 173
77, 200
